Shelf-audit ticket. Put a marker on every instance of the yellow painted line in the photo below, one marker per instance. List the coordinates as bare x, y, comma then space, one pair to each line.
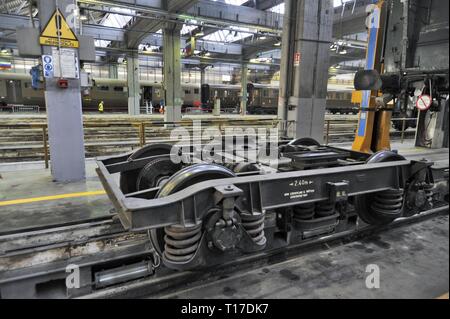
51, 197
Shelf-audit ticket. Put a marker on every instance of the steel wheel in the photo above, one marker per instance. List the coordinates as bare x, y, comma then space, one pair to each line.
304, 141
383, 207
299, 144
182, 179
128, 180
156, 173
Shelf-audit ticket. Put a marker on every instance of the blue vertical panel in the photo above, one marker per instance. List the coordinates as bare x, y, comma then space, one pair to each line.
370, 63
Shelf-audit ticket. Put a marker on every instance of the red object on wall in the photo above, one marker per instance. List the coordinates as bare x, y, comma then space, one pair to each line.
63, 83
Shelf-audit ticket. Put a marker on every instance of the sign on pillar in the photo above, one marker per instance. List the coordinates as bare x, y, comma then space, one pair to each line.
297, 57
47, 65
57, 33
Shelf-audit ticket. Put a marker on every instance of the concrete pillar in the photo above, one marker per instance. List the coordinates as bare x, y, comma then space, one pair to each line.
172, 73
244, 81
307, 34
202, 75
134, 89
64, 113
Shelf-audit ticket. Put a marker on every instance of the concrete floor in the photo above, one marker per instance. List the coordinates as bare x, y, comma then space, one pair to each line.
31, 183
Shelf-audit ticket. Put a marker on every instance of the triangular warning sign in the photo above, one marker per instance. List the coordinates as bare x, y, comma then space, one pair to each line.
58, 33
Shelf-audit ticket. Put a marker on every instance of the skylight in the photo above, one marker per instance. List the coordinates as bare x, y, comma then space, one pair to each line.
234, 2
232, 35
280, 8
115, 21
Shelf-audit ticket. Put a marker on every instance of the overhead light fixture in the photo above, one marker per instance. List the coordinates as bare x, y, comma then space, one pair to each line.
200, 32
263, 37
343, 52
83, 16
278, 44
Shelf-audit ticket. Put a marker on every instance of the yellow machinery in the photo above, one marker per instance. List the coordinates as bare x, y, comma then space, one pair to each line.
374, 125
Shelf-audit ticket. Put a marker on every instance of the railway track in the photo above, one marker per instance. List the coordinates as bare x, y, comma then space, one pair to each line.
20, 142
91, 243
168, 285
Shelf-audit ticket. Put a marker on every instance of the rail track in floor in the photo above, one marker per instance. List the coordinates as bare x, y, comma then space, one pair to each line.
168, 284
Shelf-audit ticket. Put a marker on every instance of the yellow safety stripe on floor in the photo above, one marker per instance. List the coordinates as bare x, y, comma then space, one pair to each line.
444, 296
51, 197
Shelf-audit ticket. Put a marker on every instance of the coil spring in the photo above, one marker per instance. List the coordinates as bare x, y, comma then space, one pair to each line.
254, 226
304, 211
428, 188
181, 243
324, 209
389, 202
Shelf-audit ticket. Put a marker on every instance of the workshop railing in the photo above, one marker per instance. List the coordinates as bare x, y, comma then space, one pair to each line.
354, 124
332, 128
17, 108
141, 127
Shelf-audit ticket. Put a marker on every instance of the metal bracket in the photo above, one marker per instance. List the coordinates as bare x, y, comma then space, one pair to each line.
338, 192
226, 191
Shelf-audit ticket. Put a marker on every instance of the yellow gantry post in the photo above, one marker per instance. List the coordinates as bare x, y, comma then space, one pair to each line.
373, 129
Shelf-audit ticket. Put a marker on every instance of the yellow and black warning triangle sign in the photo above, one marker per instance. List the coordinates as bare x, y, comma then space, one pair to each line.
57, 32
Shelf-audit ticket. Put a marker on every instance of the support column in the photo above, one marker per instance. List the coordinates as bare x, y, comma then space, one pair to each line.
307, 34
244, 81
202, 75
172, 73
64, 113
134, 89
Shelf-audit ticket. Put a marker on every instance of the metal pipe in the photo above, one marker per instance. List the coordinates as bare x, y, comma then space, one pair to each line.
405, 38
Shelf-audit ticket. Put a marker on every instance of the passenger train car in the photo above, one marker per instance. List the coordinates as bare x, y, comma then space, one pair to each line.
262, 98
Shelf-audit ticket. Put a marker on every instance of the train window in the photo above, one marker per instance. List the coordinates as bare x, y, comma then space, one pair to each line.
196, 91
187, 92
225, 93
103, 88
118, 88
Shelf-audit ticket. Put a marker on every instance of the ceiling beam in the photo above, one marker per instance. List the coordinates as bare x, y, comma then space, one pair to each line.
143, 25
267, 4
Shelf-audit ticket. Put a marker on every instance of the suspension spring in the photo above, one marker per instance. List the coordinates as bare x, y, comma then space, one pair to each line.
324, 209
181, 243
388, 203
428, 188
254, 226
304, 211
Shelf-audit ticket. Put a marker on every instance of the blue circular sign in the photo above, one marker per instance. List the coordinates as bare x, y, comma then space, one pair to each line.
47, 59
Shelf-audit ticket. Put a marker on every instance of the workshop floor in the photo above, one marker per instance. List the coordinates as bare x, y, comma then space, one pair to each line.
19, 186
